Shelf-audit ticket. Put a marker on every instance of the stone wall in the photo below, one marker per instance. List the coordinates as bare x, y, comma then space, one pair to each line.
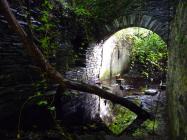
17, 74
177, 75
64, 58
151, 14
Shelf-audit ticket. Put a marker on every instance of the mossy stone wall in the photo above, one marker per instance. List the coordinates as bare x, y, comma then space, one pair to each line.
177, 75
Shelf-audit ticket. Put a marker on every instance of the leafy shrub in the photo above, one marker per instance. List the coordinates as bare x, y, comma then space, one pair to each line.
149, 55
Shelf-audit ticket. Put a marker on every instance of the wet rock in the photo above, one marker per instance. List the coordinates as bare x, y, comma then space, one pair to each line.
119, 81
127, 87
151, 92
135, 99
163, 87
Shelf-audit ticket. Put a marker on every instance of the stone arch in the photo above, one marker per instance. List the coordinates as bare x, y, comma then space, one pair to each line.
95, 53
136, 20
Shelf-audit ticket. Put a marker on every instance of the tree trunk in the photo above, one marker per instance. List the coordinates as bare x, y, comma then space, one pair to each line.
54, 75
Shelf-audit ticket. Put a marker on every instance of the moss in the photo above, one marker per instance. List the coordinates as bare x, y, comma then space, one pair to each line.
147, 128
177, 81
123, 118
138, 133
137, 101
105, 75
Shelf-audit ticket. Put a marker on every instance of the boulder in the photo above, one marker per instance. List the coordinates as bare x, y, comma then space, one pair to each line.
151, 92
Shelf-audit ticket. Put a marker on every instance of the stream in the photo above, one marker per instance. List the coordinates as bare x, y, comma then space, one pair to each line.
89, 117
149, 95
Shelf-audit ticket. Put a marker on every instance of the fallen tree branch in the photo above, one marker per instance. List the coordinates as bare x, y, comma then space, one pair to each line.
53, 74
109, 96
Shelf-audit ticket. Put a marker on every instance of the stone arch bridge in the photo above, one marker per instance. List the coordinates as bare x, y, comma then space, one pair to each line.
154, 15
15, 71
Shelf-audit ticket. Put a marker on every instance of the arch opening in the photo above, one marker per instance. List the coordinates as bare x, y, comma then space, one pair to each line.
131, 63
123, 51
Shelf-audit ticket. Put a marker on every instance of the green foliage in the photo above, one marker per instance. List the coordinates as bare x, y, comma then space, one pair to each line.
40, 84
100, 9
42, 103
80, 11
67, 93
149, 55
47, 33
147, 128
40, 98
93, 13
123, 118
